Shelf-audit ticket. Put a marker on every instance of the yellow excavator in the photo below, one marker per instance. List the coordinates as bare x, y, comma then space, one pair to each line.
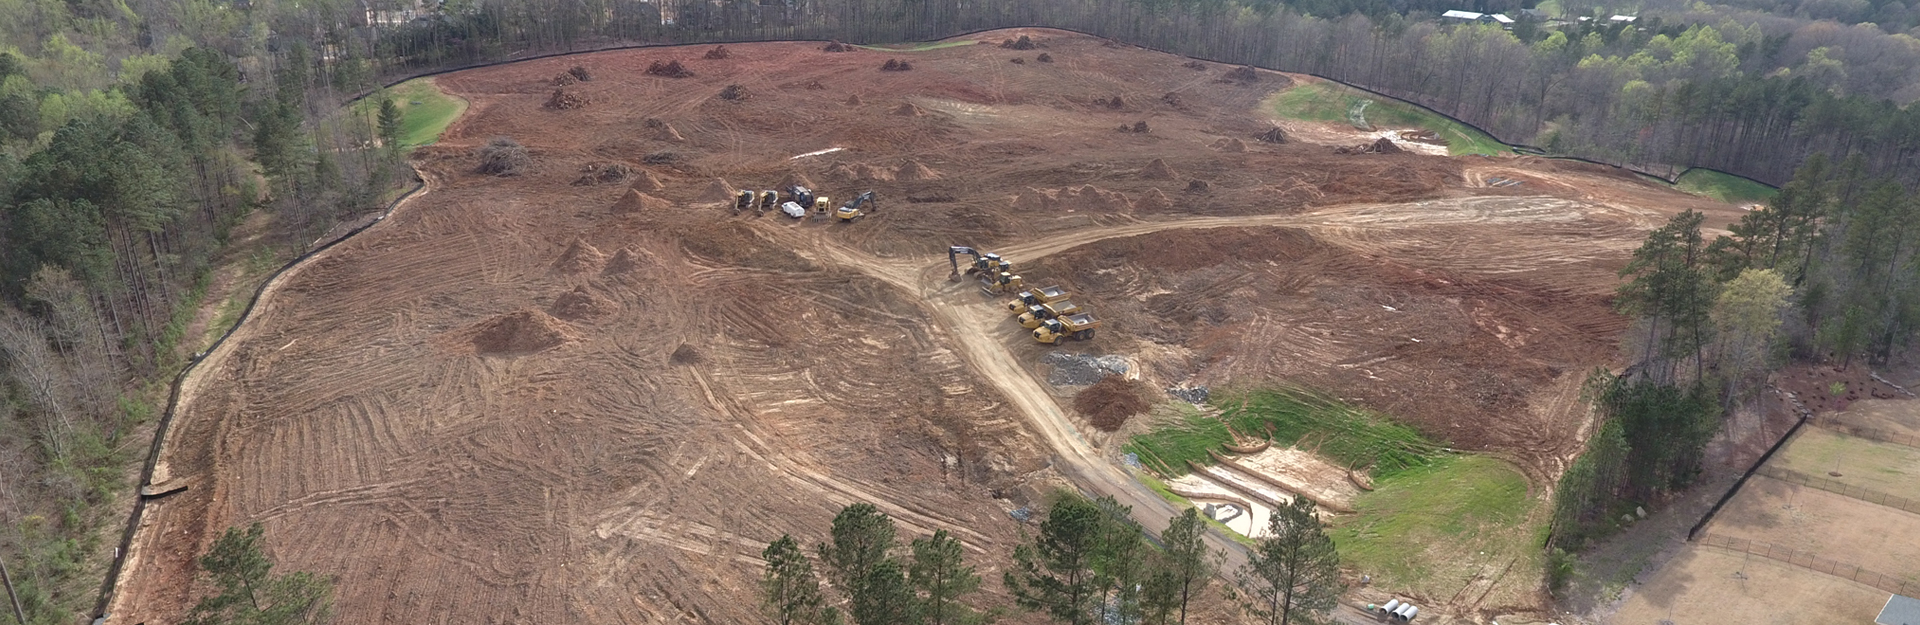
1078, 327
1037, 296
1041, 313
854, 209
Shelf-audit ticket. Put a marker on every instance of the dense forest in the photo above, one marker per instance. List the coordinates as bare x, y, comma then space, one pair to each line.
137, 136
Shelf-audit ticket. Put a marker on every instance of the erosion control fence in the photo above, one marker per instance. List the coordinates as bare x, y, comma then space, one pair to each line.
1813, 562
110, 586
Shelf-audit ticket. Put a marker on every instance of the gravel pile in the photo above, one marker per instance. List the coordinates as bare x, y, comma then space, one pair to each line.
1082, 369
1196, 395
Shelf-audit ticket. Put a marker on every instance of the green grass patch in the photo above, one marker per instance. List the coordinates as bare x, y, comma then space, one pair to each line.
1431, 529
1343, 433
425, 110
920, 46
1885, 467
1724, 187
1333, 102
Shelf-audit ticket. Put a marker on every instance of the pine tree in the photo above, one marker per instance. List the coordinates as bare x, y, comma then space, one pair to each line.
389, 123
249, 592
940, 578
1183, 567
1118, 562
861, 564
1293, 569
1055, 573
789, 591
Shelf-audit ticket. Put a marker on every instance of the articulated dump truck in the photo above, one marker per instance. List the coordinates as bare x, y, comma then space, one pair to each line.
1078, 327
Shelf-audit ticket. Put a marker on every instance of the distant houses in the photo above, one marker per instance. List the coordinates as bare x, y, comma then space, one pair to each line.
1535, 15
1484, 18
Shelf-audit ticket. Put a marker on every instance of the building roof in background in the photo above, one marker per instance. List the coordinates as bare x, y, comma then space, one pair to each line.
1462, 15
1900, 610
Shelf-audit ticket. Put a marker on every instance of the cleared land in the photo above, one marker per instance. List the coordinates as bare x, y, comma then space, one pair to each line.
1706, 585
570, 396
1865, 463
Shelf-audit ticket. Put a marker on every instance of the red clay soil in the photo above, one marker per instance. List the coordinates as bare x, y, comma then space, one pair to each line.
1108, 404
561, 471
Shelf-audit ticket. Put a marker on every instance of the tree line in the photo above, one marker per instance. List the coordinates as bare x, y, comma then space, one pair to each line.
1827, 272
1089, 563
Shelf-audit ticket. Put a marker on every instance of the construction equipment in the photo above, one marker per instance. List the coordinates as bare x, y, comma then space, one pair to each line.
743, 202
793, 210
1078, 327
769, 199
822, 205
800, 195
1040, 295
953, 258
1040, 313
1003, 282
853, 209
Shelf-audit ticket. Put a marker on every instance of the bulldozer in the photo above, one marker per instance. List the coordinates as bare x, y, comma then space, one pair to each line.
1078, 327
853, 210
1003, 282
1037, 296
1041, 313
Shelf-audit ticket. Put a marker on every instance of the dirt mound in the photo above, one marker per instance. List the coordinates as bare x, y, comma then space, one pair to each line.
1017, 61
1243, 74
636, 202
666, 132
669, 69
854, 100
1139, 128
1382, 145
1087, 198
1198, 186
625, 261
735, 93
1110, 402
520, 332
602, 173
1035, 200
1230, 145
580, 73
814, 85
646, 182
913, 170
1023, 43
864, 171
795, 179
895, 65
1195, 65
564, 79
503, 156
719, 191
686, 355
840, 171
835, 46
1044, 58
1171, 99
1158, 170
1115, 102
580, 304
718, 52
564, 100
1154, 200
1272, 135
907, 109
580, 257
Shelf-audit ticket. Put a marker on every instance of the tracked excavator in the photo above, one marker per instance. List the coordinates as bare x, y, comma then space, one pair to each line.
768, 200
1041, 313
996, 274
1078, 327
1037, 296
744, 202
853, 210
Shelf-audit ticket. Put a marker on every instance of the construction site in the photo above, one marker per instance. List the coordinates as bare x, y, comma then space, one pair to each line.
593, 369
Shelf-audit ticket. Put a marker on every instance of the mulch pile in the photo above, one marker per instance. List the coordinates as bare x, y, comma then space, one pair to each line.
1110, 402
1044, 58
735, 93
1195, 65
598, 173
1198, 186
1382, 145
1272, 135
580, 73
669, 69
895, 65
1023, 43
1244, 73
719, 52
835, 46
563, 100
1017, 61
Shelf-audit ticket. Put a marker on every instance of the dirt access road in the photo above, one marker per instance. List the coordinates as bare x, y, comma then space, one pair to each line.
591, 393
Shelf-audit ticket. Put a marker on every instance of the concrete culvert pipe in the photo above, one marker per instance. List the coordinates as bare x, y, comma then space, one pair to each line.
1392, 604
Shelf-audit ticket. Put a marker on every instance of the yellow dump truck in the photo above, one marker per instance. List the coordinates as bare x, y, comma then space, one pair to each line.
1040, 313
1078, 327
1036, 297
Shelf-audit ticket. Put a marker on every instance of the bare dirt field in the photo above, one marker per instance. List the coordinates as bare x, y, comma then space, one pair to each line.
1705, 585
572, 397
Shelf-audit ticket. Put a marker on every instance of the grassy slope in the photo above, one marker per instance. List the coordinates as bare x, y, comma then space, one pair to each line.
1343, 433
1329, 102
1429, 530
425, 111
1724, 187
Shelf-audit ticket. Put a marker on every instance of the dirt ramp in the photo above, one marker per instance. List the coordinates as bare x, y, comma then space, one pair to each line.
581, 304
636, 202
519, 333
580, 257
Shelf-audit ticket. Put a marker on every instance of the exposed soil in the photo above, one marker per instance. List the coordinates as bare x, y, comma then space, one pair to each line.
1108, 404
752, 375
